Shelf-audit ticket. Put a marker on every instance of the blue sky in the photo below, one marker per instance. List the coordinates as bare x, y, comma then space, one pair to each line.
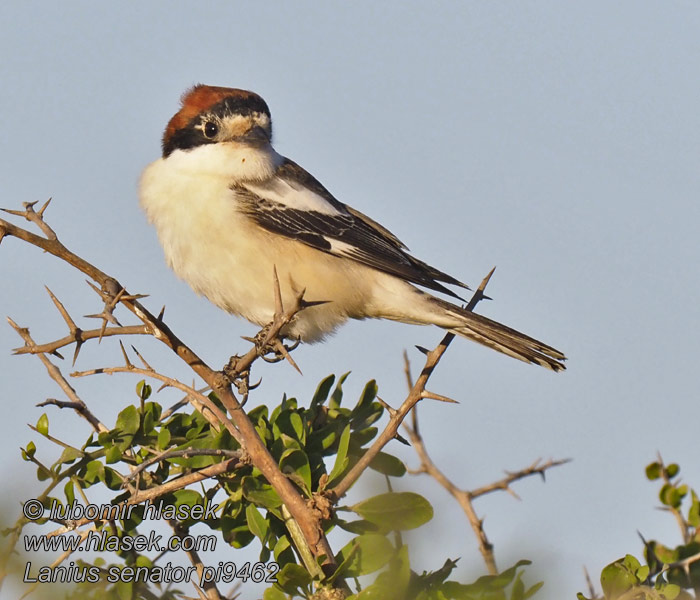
556, 140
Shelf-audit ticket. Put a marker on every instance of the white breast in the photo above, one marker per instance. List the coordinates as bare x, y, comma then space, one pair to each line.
227, 258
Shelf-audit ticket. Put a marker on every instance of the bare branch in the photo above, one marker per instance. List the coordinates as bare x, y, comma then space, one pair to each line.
55, 374
34, 217
536, 468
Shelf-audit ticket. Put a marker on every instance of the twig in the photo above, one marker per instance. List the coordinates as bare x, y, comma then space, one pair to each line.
55, 374
465, 497
430, 468
201, 402
504, 484
186, 453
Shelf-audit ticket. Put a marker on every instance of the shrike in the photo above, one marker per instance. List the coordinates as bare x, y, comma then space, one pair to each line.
228, 209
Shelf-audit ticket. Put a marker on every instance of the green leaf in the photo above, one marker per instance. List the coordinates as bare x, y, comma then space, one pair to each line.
395, 510
666, 494
322, 391
69, 455
337, 395
273, 593
618, 577
94, 471
261, 494
341, 459
69, 492
257, 523
42, 425
163, 438
693, 511
386, 464
29, 451
672, 470
292, 578
533, 590
665, 555
364, 554
187, 498
128, 420
143, 390
124, 590
653, 471
295, 464
357, 527
670, 591
281, 546
642, 573
113, 454
289, 423
518, 590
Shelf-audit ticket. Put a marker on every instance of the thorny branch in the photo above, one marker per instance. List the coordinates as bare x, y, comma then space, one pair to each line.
114, 293
465, 497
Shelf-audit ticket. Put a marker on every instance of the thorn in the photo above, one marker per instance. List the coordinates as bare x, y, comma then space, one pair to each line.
279, 346
102, 331
249, 339
132, 296
279, 308
40, 212
389, 409
309, 303
486, 279
94, 287
126, 357
17, 213
423, 350
57, 354
401, 439
161, 313
512, 493
143, 360
62, 309
78, 346
162, 387
255, 385
439, 397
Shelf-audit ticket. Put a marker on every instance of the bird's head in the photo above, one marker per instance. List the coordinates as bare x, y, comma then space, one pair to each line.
211, 115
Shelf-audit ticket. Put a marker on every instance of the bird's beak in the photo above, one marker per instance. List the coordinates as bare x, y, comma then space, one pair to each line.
257, 136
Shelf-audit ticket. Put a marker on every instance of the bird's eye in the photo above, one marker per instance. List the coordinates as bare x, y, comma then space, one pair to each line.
210, 129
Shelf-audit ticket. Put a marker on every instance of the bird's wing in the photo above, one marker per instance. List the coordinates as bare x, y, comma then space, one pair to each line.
296, 205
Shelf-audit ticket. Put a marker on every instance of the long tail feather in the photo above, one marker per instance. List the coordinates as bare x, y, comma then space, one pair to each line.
503, 339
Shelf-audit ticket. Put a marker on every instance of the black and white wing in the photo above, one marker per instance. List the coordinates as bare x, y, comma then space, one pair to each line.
294, 204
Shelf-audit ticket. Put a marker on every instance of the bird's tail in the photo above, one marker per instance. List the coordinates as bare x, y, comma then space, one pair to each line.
498, 336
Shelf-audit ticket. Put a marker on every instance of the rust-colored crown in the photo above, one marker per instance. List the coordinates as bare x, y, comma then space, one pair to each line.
203, 97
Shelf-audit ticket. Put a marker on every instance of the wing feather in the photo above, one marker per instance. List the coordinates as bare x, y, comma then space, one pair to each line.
294, 204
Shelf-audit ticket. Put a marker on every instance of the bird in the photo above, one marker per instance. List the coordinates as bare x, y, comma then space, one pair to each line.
229, 210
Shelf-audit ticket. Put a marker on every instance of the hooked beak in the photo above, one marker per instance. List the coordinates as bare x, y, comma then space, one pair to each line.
256, 136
